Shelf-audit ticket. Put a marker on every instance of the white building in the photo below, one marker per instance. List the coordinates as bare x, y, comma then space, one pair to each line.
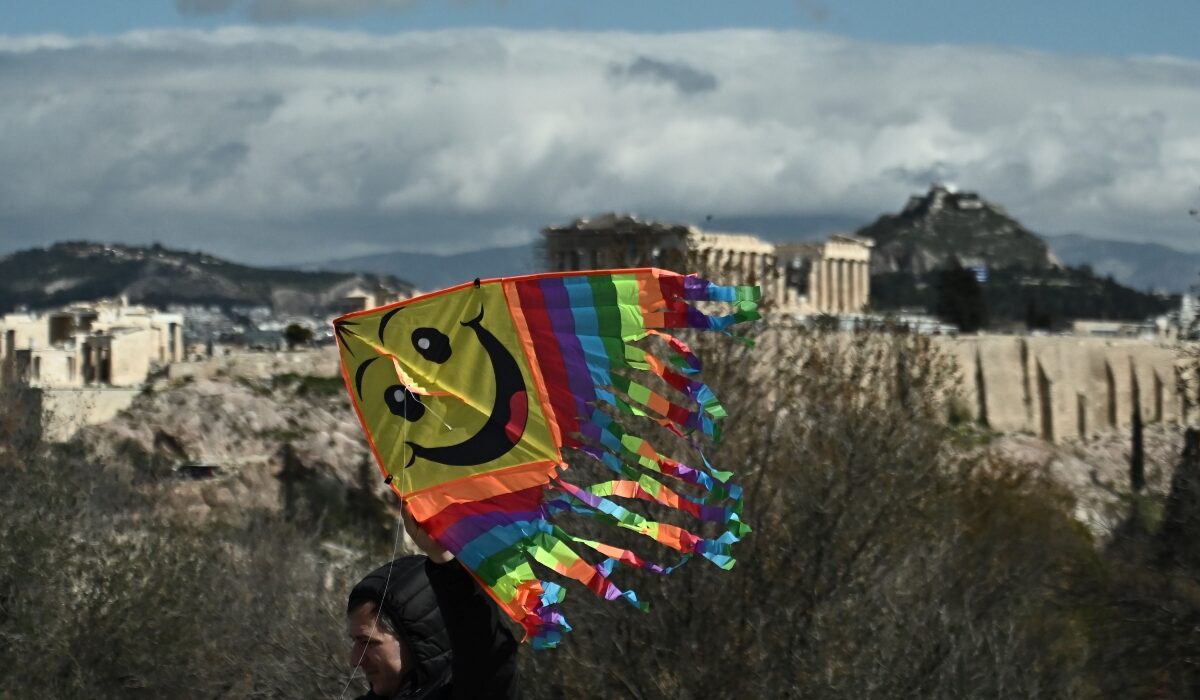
107, 343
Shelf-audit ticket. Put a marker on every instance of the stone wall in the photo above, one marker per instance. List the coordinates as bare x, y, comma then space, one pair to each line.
318, 362
67, 410
1064, 388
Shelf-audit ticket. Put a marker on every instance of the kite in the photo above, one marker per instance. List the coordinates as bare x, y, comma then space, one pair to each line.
468, 397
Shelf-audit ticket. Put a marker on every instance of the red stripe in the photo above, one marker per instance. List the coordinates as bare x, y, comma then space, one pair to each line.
671, 286
515, 502
679, 414
676, 380
554, 370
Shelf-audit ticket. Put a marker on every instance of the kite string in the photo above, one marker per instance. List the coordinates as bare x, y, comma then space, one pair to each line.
427, 408
387, 581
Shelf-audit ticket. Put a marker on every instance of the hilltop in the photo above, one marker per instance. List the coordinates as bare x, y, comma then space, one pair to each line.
1025, 282
77, 271
944, 226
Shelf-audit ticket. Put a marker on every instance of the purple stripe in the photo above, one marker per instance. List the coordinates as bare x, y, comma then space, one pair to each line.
695, 288
697, 319
460, 534
579, 375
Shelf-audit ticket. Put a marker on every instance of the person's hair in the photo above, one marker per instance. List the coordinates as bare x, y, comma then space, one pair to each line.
382, 620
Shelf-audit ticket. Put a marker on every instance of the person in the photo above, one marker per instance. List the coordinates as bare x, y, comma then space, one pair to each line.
422, 629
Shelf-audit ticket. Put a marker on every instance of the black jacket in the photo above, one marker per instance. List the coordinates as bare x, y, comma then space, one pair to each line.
461, 646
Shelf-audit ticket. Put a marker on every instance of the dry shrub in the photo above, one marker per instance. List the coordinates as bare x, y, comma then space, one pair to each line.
881, 565
101, 597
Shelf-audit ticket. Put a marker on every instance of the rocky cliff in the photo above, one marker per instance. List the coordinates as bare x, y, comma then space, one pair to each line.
263, 431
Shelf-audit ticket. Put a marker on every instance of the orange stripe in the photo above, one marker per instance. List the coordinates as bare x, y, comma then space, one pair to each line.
658, 403
512, 298
649, 293
671, 536
430, 501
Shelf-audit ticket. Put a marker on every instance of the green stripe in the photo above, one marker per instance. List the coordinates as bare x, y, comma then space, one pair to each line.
507, 569
608, 315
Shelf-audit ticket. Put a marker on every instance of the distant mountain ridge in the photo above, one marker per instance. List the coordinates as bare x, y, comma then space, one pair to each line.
1140, 265
945, 226
430, 271
78, 271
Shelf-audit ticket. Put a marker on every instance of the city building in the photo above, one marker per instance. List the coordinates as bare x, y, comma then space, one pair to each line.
102, 343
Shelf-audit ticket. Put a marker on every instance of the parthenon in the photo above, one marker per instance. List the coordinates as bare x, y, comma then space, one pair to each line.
806, 278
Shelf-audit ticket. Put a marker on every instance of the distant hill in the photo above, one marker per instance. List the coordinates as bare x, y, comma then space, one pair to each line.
1139, 265
1026, 283
78, 271
429, 271
943, 227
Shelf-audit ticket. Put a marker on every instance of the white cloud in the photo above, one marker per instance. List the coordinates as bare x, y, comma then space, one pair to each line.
290, 144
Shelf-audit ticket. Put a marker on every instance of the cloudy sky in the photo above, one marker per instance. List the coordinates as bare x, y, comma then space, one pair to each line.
283, 131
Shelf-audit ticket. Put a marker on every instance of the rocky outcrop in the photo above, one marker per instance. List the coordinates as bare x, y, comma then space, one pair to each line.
945, 226
272, 428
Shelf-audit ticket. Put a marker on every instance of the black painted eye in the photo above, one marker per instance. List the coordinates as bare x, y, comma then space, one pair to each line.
402, 402
432, 344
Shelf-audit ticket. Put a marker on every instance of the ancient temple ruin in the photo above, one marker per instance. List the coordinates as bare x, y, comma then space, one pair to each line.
831, 277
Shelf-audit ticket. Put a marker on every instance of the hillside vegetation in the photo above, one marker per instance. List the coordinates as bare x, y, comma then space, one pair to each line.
1039, 299
83, 271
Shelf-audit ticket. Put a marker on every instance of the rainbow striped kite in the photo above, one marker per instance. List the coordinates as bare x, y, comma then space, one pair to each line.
468, 397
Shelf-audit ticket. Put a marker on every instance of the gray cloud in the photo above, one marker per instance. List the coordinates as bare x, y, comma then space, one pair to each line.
688, 80
287, 10
814, 10
197, 8
288, 144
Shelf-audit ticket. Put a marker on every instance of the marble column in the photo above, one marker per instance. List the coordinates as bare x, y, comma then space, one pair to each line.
822, 279
826, 286
866, 283
835, 287
832, 287
814, 283
855, 272
841, 286
849, 266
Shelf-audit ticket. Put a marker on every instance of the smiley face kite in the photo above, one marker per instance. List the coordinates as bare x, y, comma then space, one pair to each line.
469, 395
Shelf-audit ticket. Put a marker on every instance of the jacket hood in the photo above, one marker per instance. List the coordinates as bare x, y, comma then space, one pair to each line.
402, 591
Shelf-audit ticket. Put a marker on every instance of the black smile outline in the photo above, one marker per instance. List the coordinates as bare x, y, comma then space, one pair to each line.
492, 440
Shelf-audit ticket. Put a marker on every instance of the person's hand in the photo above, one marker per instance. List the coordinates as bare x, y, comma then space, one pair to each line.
436, 552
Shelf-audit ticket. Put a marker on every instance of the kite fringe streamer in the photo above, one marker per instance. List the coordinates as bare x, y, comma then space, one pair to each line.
592, 430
